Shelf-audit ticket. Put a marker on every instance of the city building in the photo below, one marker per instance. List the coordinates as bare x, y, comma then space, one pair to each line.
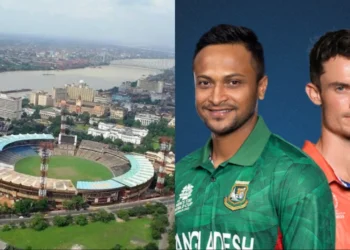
94, 120
150, 85
28, 111
146, 119
98, 110
126, 134
158, 158
45, 99
49, 112
10, 107
171, 124
105, 126
41, 98
59, 94
103, 99
34, 98
117, 113
81, 90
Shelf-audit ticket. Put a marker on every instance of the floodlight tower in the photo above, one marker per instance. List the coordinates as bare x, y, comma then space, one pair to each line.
165, 146
45, 153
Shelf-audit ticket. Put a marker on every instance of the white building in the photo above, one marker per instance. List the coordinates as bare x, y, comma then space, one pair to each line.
172, 123
146, 119
28, 111
126, 134
105, 126
94, 120
10, 107
49, 112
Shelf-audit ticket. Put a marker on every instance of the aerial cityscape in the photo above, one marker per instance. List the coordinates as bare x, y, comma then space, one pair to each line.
87, 142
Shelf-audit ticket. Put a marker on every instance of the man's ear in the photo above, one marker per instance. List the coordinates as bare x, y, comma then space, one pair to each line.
313, 93
262, 86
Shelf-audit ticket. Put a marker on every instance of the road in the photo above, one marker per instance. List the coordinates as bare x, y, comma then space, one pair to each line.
163, 243
111, 208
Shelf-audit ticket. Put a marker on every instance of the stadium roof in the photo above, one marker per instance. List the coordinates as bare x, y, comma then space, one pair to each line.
8, 174
5, 140
98, 185
141, 171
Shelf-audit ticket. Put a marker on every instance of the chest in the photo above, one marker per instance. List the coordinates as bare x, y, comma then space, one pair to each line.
226, 204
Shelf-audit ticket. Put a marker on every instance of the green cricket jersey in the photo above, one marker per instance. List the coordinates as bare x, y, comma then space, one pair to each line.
268, 189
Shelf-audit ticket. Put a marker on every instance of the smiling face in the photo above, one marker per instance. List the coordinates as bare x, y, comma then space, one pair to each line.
334, 95
226, 87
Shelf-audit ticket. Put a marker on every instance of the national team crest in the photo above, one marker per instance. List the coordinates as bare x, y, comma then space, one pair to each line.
237, 199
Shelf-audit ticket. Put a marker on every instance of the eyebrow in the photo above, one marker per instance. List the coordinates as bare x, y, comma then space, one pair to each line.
225, 77
332, 84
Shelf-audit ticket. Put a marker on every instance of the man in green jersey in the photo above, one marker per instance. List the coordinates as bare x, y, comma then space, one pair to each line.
246, 188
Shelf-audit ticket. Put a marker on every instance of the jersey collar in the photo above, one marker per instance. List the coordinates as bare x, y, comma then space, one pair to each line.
310, 149
250, 150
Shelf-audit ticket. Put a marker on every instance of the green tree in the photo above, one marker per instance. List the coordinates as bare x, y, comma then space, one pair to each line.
6, 228
117, 247
22, 225
36, 114
81, 220
123, 214
60, 221
38, 223
151, 246
25, 102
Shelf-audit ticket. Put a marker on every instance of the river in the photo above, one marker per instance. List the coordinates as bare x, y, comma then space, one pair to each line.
104, 77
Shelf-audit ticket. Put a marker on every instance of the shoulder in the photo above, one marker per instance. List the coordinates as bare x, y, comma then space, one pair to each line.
295, 169
189, 160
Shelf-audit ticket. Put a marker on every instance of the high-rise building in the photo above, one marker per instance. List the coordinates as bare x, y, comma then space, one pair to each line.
82, 90
45, 99
10, 107
41, 98
59, 94
34, 98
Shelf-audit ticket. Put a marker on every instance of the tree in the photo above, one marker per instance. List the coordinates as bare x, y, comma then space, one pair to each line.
38, 223
151, 246
41, 205
170, 182
22, 225
25, 102
23, 207
36, 114
81, 220
117, 247
6, 228
123, 214
60, 221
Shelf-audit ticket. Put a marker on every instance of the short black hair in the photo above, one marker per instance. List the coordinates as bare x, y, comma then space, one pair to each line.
230, 34
331, 44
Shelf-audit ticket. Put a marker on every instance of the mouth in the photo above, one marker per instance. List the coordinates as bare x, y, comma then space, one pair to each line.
219, 113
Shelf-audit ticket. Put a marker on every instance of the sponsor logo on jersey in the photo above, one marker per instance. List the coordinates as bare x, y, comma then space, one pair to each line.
237, 199
339, 214
215, 241
185, 201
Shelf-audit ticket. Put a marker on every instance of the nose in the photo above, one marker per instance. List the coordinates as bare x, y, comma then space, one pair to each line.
218, 95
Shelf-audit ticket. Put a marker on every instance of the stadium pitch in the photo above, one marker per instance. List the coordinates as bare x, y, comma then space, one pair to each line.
65, 167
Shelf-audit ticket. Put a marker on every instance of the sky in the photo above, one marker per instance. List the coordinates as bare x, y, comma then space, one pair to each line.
287, 31
127, 22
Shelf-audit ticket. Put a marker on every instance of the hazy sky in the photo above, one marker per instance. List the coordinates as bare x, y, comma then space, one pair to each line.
129, 22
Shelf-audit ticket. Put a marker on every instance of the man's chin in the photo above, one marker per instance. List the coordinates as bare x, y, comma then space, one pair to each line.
220, 130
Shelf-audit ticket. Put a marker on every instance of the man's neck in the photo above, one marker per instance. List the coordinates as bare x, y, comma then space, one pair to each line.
335, 149
224, 147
